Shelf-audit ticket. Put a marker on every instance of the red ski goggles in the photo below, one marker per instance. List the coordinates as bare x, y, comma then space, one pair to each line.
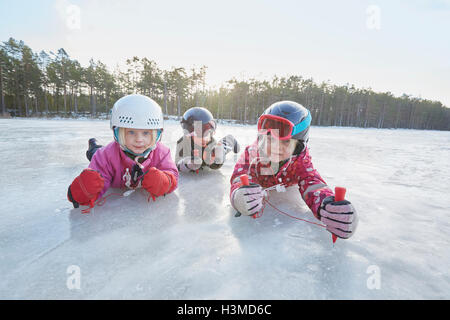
278, 127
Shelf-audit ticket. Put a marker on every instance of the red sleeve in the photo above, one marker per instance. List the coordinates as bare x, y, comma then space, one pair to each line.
242, 167
312, 186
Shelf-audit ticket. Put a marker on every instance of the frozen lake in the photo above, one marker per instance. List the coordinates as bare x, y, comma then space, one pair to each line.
189, 245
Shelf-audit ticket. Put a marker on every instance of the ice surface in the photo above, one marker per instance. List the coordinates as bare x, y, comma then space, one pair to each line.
189, 245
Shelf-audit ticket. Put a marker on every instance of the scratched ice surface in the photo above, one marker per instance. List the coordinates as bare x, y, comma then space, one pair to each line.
189, 245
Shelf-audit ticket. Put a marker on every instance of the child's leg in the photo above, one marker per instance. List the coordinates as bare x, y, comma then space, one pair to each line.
93, 147
230, 143
222, 148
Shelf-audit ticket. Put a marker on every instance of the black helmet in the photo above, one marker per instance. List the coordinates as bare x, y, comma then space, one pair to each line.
291, 119
198, 114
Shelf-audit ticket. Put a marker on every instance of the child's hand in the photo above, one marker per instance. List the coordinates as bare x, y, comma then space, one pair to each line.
157, 182
188, 164
247, 200
339, 216
85, 188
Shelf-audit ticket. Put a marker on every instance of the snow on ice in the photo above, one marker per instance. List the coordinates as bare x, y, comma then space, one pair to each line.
189, 245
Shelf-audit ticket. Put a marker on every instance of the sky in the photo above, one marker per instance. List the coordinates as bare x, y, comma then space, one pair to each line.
396, 46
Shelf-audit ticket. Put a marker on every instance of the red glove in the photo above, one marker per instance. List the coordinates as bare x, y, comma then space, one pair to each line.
85, 188
158, 182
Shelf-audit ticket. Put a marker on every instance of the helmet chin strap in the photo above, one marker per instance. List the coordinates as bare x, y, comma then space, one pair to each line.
138, 155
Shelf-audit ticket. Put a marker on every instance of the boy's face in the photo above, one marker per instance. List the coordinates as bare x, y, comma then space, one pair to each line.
203, 141
139, 140
278, 150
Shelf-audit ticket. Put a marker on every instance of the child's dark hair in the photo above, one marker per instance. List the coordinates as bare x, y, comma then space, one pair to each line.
300, 146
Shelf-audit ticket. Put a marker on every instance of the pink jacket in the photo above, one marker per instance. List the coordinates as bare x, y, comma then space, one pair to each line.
112, 163
299, 170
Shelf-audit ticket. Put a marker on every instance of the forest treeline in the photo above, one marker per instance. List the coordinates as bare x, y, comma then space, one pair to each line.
54, 84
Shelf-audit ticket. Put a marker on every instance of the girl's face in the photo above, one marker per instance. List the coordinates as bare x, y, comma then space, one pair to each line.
278, 150
139, 140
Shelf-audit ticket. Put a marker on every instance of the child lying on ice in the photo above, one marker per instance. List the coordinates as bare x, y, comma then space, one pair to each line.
280, 157
197, 148
135, 159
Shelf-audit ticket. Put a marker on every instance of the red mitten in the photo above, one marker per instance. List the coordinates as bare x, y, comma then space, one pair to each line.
85, 188
157, 182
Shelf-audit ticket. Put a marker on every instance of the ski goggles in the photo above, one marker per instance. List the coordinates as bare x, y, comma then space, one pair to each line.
203, 135
199, 130
281, 128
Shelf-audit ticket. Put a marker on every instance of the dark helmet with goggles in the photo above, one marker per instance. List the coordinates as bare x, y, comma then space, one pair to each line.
198, 119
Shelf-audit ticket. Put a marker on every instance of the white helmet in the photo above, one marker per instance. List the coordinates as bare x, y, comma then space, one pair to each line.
138, 112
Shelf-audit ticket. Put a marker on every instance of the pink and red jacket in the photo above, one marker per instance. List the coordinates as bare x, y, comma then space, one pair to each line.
297, 171
112, 163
